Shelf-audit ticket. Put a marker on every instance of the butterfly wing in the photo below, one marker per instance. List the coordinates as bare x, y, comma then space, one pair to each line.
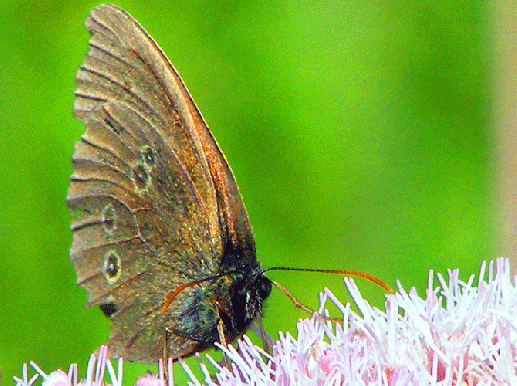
149, 203
237, 232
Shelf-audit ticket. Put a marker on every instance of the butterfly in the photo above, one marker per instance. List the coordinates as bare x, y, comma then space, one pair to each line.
161, 239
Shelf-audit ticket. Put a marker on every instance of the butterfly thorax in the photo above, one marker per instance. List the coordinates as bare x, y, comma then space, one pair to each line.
234, 299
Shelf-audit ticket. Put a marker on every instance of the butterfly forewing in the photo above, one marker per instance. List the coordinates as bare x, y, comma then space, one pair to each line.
155, 202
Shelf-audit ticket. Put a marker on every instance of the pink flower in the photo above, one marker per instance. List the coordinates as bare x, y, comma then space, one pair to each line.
94, 373
460, 334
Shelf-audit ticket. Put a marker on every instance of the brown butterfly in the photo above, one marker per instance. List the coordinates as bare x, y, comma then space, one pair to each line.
162, 241
157, 206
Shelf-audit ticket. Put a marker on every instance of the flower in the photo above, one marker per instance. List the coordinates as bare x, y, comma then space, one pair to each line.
94, 374
462, 333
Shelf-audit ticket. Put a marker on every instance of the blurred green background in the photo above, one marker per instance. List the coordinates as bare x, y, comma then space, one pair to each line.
359, 134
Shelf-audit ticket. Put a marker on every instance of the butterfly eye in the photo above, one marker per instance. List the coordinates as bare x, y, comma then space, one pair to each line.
263, 286
111, 266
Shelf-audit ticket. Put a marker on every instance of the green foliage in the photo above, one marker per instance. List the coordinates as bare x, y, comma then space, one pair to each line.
358, 134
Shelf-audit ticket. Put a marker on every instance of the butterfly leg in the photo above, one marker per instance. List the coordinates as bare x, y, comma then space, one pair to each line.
267, 342
165, 359
222, 336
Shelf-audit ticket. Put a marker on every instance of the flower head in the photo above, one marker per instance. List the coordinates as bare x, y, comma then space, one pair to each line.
94, 373
459, 334
462, 333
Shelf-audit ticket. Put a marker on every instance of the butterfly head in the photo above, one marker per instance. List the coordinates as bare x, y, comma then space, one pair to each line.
247, 295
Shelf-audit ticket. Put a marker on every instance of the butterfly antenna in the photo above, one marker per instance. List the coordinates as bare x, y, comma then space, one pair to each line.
345, 272
300, 305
